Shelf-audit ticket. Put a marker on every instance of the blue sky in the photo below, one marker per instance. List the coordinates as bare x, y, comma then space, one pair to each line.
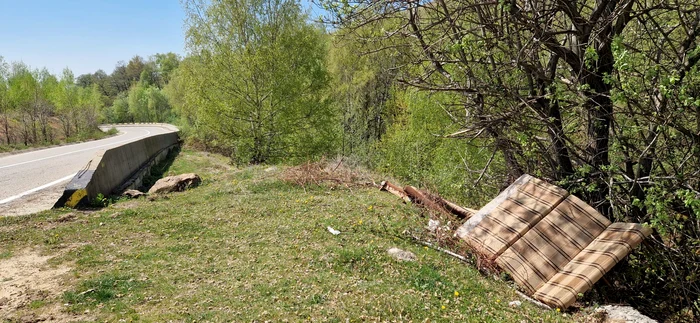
87, 35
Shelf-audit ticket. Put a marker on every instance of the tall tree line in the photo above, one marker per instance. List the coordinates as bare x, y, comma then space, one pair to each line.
37, 107
135, 90
31, 100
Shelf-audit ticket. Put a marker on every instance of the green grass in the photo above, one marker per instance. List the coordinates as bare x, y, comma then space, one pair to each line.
247, 246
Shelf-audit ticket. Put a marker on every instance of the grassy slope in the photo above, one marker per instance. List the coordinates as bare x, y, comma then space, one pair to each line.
247, 246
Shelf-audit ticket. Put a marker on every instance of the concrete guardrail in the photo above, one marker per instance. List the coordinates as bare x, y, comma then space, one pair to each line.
119, 167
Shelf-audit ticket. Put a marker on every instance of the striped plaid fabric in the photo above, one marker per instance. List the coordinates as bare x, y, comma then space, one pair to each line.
584, 270
512, 218
552, 243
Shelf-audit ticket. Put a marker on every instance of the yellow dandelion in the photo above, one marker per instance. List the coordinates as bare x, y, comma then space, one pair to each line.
558, 310
498, 301
443, 307
370, 207
360, 222
426, 248
456, 293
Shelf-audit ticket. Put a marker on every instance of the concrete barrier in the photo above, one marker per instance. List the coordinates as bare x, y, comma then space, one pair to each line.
106, 127
110, 169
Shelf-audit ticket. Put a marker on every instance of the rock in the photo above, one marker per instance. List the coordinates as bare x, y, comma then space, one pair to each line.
617, 313
177, 183
401, 255
133, 194
515, 304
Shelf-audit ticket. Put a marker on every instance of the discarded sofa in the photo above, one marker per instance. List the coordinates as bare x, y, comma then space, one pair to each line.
553, 244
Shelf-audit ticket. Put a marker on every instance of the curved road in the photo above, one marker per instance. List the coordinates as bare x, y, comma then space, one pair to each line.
33, 181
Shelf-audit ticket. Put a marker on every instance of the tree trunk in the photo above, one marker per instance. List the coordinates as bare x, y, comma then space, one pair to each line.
7, 128
599, 107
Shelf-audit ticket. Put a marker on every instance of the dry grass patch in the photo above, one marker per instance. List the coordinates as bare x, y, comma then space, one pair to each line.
329, 172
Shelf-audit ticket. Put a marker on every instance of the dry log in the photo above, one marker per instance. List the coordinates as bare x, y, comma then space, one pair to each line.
459, 211
393, 189
421, 198
437, 203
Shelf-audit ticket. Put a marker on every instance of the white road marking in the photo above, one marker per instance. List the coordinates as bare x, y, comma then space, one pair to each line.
73, 152
12, 198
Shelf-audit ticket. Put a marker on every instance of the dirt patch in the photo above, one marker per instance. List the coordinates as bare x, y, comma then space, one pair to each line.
29, 289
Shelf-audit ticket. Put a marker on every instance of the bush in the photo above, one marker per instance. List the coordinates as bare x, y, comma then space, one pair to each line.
415, 150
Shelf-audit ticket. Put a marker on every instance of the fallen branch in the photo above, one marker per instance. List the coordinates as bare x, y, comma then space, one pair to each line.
438, 203
459, 211
393, 189
419, 198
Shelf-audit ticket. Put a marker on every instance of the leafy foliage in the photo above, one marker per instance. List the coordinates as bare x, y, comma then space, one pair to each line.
257, 80
597, 96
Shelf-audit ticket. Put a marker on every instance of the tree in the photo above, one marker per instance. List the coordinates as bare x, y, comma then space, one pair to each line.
166, 64
259, 78
5, 99
91, 104
45, 108
119, 111
149, 76
85, 80
134, 68
23, 91
598, 96
138, 103
158, 107
362, 89
67, 102
120, 81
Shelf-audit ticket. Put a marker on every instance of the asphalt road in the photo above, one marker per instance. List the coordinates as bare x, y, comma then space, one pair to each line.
33, 181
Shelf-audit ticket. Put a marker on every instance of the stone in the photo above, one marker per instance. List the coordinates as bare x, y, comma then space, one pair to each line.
134, 194
618, 313
515, 304
401, 255
177, 183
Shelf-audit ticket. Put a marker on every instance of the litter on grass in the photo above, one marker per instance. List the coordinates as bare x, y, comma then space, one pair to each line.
333, 231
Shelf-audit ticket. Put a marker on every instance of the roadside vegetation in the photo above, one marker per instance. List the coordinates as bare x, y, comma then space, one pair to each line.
251, 245
459, 97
